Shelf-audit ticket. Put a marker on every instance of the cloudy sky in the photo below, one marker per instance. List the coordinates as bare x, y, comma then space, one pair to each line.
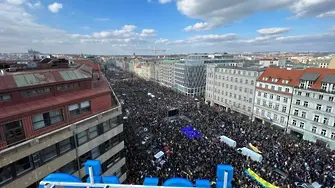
179, 26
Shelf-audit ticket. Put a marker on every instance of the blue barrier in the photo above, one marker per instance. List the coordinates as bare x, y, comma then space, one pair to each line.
172, 182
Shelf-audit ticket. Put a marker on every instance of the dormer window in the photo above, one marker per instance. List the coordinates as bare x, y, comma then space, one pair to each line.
285, 81
309, 85
265, 78
274, 79
302, 84
324, 86
5, 97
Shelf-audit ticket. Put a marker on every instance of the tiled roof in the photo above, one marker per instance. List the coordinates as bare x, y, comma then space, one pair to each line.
323, 73
292, 75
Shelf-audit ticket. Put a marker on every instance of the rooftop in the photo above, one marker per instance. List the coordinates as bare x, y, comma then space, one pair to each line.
281, 74
238, 68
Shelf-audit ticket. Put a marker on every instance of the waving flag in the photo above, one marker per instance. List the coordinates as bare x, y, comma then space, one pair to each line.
260, 180
254, 148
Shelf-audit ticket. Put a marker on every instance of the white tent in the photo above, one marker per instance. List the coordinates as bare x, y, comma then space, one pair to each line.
253, 155
230, 142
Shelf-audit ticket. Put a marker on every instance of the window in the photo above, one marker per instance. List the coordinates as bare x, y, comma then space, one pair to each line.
259, 93
305, 103
240, 88
5, 174
35, 92
95, 152
64, 146
297, 102
263, 112
279, 88
84, 158
82, 137
236, 80
329, 109
265, 95
258, 101
278, 97
273, 87
285, 99
14, 132
307, 94
5, 97
316, 118
333, 135
239, 97
299, 93
302, 125
323, 132
264, 102
23, 165
69, 168
331, 98
271, 96
282, 119
246, 81
324, 86
231, 86
241, 81
270, 104
294, 122
68, 87
314, 129
47, 119
93, 132
284, 109
246, 90
252, 82
275, 117
318, 106
266, 86
296, 112
303, 114
287, 89
249, 109
250, 100
277, 107
320, 97
325, 121
77, 109
49, 153
235, 87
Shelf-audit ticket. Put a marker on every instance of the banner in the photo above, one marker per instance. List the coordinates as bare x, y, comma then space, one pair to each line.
260, 180
254, 148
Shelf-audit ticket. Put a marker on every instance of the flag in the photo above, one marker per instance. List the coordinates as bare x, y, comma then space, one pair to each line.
260, 180
254, 148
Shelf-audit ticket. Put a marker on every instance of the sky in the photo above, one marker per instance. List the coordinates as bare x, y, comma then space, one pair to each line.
123, 27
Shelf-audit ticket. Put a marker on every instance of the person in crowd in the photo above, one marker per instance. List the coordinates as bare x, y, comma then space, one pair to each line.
197, 158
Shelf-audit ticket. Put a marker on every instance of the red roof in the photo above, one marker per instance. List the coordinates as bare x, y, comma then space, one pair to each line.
292, 75
139, 66
89, 63
323, 72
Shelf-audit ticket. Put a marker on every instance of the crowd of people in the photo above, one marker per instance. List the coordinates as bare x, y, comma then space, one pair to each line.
286, 159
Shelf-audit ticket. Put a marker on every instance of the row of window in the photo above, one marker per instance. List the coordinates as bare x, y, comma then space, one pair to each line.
276, 80
68, 87
317, 107
275, 88
241, 72
314, 129
45, 155
238, 105
246, 81
268, 115
35, 92
271, 105
271, 96
316, 96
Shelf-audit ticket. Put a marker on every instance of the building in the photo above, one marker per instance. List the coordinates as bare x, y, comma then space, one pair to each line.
274, 90
322, 62
267, 62
313, 106
56, 118
231, 88
166, 74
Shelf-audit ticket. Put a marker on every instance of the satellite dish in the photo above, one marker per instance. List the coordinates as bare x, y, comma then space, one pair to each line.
145, 129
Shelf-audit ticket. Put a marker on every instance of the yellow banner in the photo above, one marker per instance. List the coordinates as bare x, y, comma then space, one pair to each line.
259, 179
254, 148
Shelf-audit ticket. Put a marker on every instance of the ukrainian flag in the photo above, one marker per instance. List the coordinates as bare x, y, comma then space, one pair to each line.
260, 180
254, 148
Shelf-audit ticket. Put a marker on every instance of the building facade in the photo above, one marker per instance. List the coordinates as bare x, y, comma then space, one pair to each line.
53, 120
313, 107
274, 90
231, 88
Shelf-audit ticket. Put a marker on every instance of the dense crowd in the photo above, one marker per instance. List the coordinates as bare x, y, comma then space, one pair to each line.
286, 159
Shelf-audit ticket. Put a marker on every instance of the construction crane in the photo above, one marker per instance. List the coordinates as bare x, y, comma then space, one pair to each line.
153, 50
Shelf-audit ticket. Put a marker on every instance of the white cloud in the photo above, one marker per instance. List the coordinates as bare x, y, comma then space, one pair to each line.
35, 5
55, 7
148, 33
215, 13
16, 2
330, 14
102, 19
332, 28
164, 1
273, 30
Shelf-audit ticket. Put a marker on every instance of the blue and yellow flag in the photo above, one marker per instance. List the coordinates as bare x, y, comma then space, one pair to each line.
254, 148
260, 180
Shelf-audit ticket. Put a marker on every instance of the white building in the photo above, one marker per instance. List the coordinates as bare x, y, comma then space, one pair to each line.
231, 88
274, 90
269, 62
313, 107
